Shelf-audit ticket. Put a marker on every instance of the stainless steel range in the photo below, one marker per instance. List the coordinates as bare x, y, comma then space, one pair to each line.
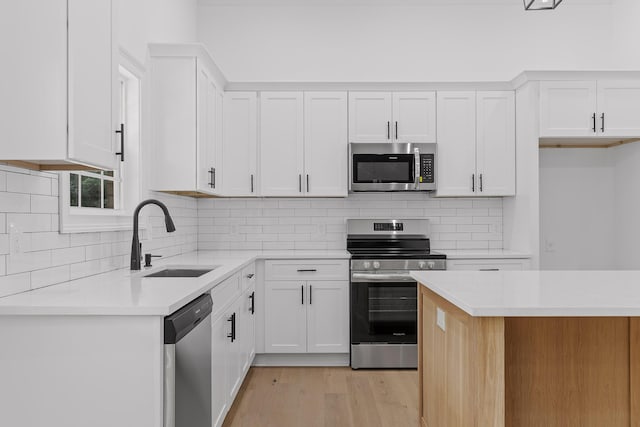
384, 305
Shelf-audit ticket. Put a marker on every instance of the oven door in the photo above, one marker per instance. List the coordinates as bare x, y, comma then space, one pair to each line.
384, 308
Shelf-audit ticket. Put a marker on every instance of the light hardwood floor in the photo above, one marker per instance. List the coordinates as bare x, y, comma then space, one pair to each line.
327, 397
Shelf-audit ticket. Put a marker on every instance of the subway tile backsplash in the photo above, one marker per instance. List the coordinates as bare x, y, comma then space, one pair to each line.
280, 224
29, 200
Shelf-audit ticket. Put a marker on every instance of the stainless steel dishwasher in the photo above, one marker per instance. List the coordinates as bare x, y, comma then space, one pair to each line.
187, 365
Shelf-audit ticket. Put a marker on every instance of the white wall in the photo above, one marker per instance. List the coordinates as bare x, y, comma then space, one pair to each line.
577, 222
626, 160
626, 34
399, 41
155, 21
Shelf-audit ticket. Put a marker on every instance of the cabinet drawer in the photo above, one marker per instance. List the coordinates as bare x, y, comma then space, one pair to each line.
248, 277
224, 293
330, 269
488, 264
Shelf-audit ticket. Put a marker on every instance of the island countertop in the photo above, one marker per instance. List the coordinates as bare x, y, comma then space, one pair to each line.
537, 293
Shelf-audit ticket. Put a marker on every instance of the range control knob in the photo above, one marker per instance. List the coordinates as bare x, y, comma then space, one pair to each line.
366, 265
376, 265
422, 265
431, 265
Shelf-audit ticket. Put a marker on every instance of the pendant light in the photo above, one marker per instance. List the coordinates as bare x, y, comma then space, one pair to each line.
541, 4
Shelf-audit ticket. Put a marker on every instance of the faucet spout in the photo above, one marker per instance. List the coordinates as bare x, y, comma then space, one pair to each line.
135, 243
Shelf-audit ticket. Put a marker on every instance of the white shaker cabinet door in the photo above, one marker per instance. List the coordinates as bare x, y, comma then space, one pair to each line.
618, 108
496, 143
456, 155
370, 116
92, 79
235, 374
568, 108
248, 337
328, 317
414, 117
219, 360
239, 150
285, 317
281, 143
325, 144
207, 173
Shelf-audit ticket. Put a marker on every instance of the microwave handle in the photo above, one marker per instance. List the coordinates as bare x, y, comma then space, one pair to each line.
416, 166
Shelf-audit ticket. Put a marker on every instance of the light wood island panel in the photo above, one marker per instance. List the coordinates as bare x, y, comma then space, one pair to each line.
526, 371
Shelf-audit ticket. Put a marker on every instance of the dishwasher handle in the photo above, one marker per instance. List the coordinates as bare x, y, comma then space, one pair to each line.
181, 322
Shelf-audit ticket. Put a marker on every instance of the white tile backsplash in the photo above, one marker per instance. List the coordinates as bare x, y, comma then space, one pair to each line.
282, 224
29, 200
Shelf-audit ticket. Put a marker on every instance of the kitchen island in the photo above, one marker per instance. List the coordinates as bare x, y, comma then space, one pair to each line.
529, 348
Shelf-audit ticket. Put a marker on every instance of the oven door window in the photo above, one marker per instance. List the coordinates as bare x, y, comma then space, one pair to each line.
383, 168
384, 312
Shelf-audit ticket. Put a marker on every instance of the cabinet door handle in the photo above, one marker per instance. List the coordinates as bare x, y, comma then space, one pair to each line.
302, 294
307, 270
594, 122
489, 269
480, 182
250, 276
602, 128
252, 297
232, 319
212, 182
300, 183
473, 182
310, 294
388, 130
307, 183
121, 132
252, 183
396, 130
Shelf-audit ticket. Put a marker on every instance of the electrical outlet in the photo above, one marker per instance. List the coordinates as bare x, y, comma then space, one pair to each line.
549, 245
441, 319
16, 239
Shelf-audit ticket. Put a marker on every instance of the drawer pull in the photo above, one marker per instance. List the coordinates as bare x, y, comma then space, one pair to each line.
307, 270
489, 269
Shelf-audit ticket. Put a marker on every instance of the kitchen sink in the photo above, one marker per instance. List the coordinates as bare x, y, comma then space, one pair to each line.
180, 272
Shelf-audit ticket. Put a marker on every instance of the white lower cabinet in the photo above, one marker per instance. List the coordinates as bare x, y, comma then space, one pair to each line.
489, 264
233, 341
306, 308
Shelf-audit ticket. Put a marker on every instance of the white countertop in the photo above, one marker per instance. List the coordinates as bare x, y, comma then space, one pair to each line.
123, 292
537, 293
484, 254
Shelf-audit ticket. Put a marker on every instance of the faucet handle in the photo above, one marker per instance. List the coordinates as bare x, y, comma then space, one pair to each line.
147, 259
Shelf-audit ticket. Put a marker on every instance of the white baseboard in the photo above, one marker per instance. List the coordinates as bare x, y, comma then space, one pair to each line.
329, 359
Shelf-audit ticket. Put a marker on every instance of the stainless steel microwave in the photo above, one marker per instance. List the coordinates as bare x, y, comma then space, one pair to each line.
392, 167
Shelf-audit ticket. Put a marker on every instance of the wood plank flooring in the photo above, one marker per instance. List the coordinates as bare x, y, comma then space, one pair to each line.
326, 397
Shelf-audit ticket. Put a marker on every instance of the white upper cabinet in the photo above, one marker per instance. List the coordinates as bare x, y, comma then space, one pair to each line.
495, 143
325, 144
239, 151
57, 103
185, 121
414, 117
456, 155
303, 144
602, 108
476, 143
281, 143
370, 116
392, 117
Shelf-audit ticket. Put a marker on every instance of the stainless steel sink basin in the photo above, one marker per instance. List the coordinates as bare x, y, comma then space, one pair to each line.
180, 272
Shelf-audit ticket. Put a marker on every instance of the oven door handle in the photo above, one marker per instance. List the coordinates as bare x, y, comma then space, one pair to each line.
416, 167
374, 277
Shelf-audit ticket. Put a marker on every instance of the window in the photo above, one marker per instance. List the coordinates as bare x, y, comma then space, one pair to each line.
104, 200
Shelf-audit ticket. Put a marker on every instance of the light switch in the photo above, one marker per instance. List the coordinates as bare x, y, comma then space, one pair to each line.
440, 319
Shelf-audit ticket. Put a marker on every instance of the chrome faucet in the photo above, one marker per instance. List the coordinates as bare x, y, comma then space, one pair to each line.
135, 244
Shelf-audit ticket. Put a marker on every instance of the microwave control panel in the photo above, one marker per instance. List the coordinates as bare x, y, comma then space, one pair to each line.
427, 168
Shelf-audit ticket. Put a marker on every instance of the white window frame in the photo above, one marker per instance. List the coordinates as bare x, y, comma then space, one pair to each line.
82, 220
